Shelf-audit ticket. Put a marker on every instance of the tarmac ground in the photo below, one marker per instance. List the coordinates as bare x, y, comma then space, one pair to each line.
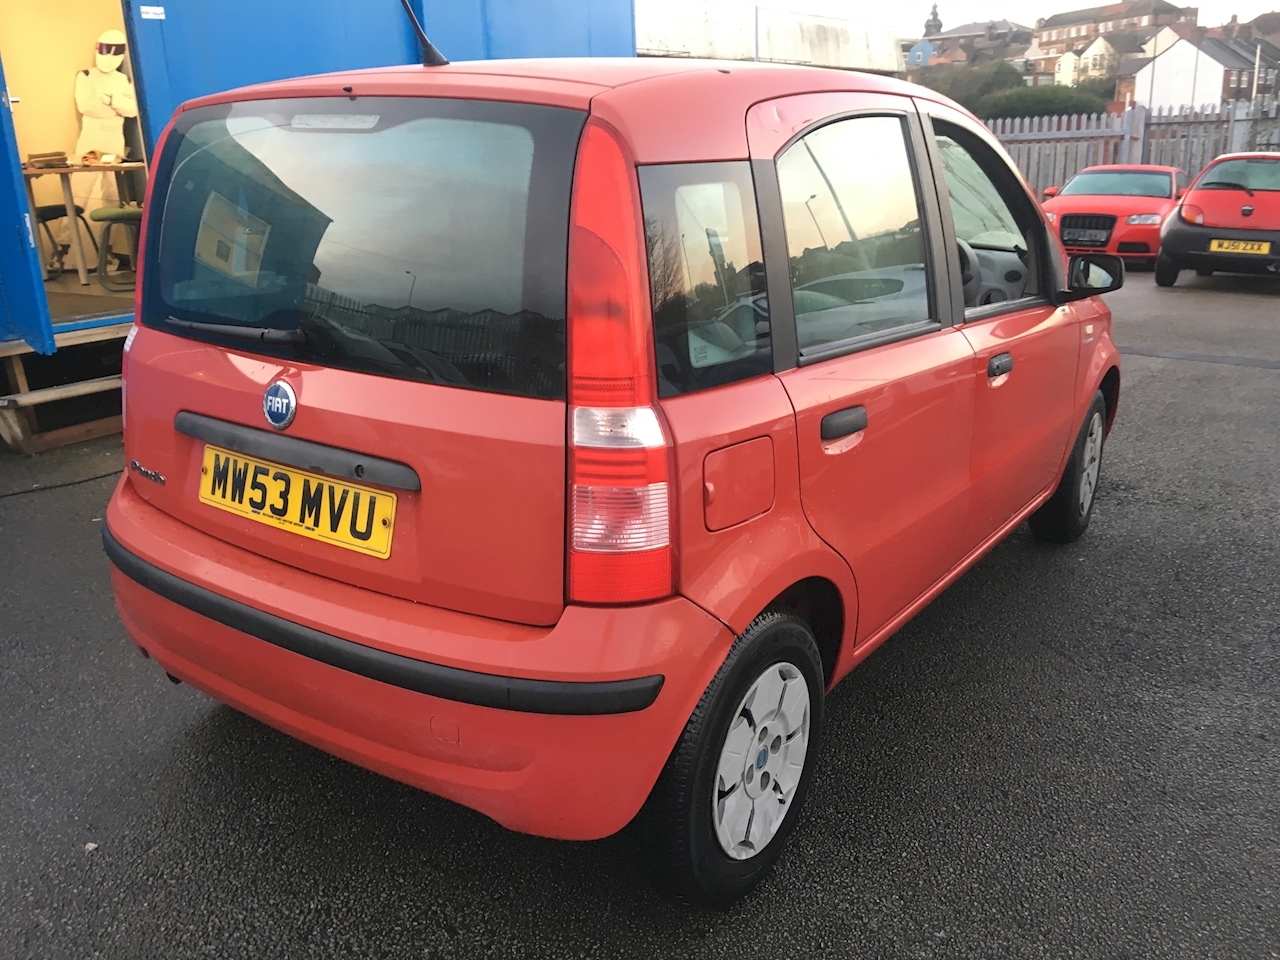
1073, 752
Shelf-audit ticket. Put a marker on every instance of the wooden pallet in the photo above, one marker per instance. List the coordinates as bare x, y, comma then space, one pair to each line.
18, 425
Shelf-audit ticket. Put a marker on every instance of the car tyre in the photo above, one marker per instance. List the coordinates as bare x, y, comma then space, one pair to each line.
701, 837
1065, 516
1166, 271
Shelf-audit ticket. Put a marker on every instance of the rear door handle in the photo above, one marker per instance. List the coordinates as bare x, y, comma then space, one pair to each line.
999, 365
844, 422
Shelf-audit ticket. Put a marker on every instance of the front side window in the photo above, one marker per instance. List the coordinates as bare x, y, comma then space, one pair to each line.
422, 239
706, 275
855, 239
996, 250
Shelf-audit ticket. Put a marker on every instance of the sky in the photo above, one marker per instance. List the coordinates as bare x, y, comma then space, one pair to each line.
907, 18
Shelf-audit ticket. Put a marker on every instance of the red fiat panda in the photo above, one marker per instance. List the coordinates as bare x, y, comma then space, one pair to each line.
552, 435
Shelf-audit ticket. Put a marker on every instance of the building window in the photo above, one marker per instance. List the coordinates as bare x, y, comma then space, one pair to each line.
1235, 78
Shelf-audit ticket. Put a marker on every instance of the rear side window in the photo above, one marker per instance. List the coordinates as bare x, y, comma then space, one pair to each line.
423, 239
706, 275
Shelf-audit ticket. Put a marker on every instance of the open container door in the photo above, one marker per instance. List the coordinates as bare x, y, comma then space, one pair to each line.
24, 311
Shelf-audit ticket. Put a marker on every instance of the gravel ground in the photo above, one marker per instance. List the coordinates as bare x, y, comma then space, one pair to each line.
1072, 753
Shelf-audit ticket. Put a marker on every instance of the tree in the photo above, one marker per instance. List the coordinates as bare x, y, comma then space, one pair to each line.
1104, 87
1039, 102
968, 85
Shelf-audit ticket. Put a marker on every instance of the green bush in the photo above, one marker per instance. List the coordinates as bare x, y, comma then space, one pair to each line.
967, 85
1104, 87
1039, 102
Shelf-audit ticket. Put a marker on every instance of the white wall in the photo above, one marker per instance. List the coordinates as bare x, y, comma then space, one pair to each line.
794, 31
1182, 76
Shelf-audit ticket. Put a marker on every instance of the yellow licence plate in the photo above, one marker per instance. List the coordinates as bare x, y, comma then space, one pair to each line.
322, 508
1262, 247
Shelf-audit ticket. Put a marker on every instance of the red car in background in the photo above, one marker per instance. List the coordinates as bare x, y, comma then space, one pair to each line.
1115, 209
1229, 220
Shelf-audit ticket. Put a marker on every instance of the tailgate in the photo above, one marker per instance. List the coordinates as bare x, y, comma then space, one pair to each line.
352, 352
484, 534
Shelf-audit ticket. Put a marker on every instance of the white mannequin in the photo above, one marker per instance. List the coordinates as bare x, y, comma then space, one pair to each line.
104, 97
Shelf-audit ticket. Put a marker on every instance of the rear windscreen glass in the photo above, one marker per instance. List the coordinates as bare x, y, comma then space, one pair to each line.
423, 239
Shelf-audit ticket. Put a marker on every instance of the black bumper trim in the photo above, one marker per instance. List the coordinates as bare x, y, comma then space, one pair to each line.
562, 697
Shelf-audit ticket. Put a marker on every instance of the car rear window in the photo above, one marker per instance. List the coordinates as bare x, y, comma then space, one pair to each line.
706, 275
1120, 183
423, 239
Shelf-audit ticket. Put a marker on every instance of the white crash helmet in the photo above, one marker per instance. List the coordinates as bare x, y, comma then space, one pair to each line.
110, 50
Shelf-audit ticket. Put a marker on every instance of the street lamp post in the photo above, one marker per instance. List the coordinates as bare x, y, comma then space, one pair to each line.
816, 225
411, 285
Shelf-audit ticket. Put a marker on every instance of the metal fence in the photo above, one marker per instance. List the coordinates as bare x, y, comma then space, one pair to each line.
1051, 150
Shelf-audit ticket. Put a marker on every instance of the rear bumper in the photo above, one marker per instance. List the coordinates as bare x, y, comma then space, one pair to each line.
556, 731
1187, 245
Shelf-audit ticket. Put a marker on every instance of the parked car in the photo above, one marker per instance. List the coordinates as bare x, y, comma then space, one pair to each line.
462, 443
1117, 208
1229, 220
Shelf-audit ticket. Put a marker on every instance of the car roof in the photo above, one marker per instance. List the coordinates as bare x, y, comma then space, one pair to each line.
668, 109
1245, 155
1137, 167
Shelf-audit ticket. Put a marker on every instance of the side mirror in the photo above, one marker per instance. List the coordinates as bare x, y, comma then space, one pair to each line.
1181, 191
1050, 192
1089, 274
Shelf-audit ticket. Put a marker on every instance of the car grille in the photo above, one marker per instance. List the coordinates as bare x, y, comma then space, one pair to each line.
1086, 229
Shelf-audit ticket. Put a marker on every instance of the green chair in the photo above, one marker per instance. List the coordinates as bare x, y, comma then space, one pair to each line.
46, 214
131, 219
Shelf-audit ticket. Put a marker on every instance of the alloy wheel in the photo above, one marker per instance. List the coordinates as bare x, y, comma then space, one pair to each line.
761, 761
1092, 455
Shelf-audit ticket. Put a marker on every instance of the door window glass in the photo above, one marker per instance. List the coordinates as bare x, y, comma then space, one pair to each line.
854, 236
995, 259
706, 275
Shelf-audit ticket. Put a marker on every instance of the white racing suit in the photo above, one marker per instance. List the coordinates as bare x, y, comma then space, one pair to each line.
104, 99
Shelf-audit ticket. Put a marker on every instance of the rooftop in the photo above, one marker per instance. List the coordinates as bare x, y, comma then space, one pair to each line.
979, 28
1112, 11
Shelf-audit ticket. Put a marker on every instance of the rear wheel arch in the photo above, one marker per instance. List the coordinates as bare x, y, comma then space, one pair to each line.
817, 601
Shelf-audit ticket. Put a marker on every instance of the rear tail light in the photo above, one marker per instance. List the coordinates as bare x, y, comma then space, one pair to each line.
1191, 213
619, 515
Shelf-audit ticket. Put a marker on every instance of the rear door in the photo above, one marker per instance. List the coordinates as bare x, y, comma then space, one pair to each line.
881, 384
24, 311
1025, 349
391, 272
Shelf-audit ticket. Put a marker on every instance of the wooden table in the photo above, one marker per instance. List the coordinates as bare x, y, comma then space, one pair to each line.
29, 173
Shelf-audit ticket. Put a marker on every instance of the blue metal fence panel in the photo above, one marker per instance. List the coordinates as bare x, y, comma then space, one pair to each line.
190, 48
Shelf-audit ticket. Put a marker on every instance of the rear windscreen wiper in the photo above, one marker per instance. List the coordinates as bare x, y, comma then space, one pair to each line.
1226, 185
261, 334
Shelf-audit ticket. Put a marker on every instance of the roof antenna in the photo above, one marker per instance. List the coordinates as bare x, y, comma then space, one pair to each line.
431, 57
